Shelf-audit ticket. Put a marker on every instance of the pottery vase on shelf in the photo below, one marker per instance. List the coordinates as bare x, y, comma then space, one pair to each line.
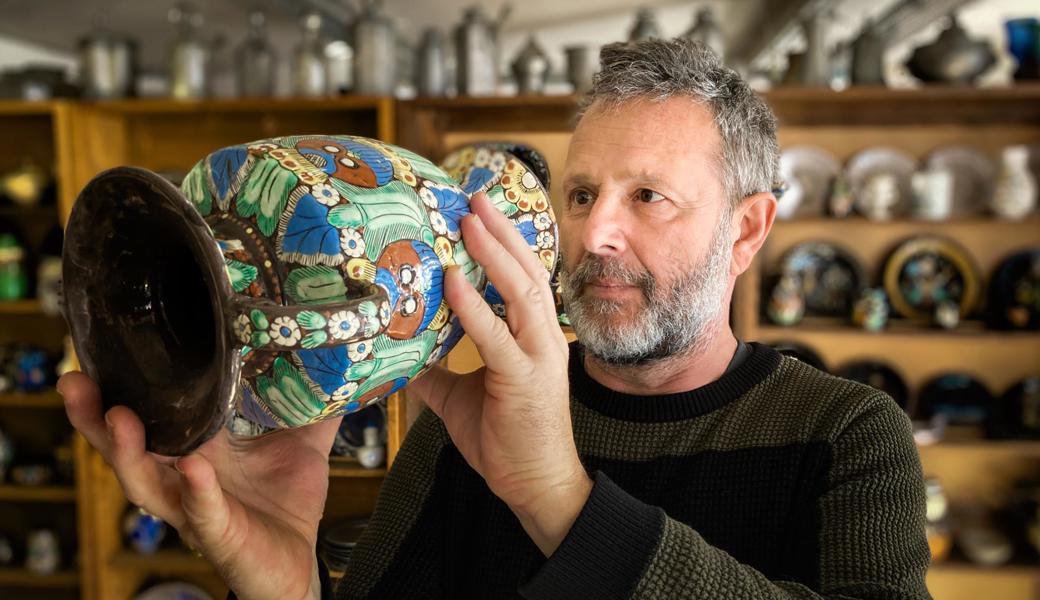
144, 531
288, 281
43, 553
870, 311
1015, 194
952, 58
786, 304
14, 282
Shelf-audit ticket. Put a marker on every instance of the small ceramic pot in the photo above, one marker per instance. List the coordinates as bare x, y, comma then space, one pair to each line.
43, 554
288, 281
144, 531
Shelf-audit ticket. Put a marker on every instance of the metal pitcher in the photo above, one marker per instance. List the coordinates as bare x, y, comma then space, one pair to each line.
476, 48
430, 72
375, 52
108, 65
308, 65
190, 59
255, 59
531, 68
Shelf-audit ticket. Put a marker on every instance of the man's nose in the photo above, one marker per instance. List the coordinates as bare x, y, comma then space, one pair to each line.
604, 231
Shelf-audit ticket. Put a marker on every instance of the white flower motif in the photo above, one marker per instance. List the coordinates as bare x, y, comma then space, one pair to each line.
284, 331
359, 351
529, 181
427, 195
343, 325
384, 313
498, 161
546, 239
542, 221
482, 158
243, 329
444, 333
345, 391
438, 223
352, 242
325, 193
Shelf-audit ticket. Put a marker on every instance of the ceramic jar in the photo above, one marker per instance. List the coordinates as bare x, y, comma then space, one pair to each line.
43, 554
288, 281
1015, 195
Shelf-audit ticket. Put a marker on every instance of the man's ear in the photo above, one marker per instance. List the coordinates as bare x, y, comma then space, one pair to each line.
752, 219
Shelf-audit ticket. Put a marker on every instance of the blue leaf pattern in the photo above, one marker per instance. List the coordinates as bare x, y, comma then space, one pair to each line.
308, 231
326, 367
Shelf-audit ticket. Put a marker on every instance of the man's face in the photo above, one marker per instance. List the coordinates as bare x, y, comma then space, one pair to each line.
646, 232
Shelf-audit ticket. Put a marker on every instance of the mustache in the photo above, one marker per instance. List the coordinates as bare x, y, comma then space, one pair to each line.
592, 268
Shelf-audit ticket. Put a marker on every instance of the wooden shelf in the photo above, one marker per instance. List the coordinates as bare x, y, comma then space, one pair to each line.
163, 562
341, 467
38, 493
21, 108
24, 578
50, 399
970, 329
216, 105
956, 567
20, 307
985, 446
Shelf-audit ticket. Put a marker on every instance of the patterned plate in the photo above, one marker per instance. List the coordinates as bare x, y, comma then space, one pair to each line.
809, 173
927, 270
881, 160
1014, 292
829, 277
879, 376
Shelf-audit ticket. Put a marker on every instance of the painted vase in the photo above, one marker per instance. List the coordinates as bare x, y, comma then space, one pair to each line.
288, 281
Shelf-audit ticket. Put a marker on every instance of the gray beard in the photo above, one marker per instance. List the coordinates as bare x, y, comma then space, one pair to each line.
677, 321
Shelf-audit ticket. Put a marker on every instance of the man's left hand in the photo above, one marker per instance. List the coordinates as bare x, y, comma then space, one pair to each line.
511, 419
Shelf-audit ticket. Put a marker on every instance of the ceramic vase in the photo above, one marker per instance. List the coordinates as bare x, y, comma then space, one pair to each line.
1015, 196
43, 554
288, 281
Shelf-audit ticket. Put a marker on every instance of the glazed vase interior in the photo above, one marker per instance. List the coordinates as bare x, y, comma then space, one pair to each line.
146, 308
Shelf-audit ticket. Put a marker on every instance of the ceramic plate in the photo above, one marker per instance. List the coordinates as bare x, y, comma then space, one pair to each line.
879, 376
959, 397
1014, 292
809, 173
829, 277
878, 160
973, 177
927, 270
174, 590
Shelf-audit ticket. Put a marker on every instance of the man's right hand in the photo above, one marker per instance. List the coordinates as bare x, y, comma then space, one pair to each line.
251, 507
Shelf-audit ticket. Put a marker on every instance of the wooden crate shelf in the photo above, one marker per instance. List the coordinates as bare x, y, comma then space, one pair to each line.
49, 399
342, 467
38, 493
23, 578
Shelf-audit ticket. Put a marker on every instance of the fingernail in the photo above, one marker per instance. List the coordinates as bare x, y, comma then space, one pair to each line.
477, 221
111, 426
177, 465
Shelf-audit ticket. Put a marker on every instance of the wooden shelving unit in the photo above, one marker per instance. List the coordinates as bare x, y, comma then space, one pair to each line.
79, 139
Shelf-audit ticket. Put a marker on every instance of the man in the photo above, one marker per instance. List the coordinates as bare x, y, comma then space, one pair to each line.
660, 457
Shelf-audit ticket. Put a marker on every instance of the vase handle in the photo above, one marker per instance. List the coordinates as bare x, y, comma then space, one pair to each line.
265, 325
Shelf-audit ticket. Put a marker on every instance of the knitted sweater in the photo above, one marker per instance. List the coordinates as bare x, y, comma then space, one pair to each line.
775, 481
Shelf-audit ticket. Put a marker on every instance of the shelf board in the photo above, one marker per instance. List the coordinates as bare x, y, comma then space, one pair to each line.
984, 446
23, 578
959, 567
19, 108
341, 467
969, 329
38, 493
49, 399
164, 561
232, 105
44, 211
20, 307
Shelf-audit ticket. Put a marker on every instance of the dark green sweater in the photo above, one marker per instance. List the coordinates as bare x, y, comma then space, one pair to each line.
775, 481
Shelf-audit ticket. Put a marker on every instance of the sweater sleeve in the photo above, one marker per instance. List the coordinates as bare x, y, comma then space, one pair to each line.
399, 555
872, 542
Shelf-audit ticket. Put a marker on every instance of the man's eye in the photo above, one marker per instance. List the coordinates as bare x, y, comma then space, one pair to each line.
581, 197
649, 196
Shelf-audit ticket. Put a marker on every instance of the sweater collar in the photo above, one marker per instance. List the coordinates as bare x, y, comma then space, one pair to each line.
759, 364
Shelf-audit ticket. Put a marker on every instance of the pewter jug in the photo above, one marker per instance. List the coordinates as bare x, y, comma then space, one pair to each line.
531, 68
108, 65
375, 52
190, 59
580, 68
429, 64
255, 59
476, 48
952, 58
308, 68
645, 27
867, 53
706, 30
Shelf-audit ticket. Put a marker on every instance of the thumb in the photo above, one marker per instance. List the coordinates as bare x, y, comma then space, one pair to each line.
434, 387
205, 507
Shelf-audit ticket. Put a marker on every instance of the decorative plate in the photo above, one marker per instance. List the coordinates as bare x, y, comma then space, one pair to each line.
868, 163
927, 270
1014, 292
174, 590
959, 397
879, 376
809, 173
829, 277
974, 177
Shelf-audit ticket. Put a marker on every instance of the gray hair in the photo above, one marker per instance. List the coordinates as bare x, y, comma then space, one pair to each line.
659, 69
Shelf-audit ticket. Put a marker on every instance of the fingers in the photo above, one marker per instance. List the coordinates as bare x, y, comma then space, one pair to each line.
490, 335
205, 507
146, 482
83, 407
